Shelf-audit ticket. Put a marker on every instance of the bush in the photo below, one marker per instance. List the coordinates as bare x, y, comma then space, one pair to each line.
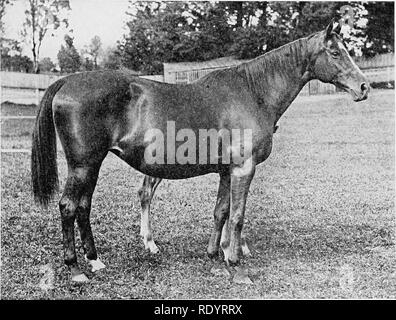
383, 85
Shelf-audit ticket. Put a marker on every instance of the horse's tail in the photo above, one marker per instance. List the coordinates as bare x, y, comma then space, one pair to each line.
44, 169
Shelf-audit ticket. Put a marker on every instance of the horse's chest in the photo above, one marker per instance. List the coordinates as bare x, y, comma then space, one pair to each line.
263, 148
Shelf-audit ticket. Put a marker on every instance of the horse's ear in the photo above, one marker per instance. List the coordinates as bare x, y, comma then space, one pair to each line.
337, 28
333, 27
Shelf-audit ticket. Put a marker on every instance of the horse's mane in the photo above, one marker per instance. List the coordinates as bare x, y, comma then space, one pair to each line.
259, 71
284, 60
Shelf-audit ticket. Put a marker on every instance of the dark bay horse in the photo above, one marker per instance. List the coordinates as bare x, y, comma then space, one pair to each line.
98, 112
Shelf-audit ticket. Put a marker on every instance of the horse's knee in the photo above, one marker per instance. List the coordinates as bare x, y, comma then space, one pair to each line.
67, 208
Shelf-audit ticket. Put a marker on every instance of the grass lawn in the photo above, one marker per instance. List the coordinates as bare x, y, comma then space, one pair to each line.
320, 218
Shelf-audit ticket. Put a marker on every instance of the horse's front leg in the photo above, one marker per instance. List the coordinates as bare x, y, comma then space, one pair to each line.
146, 193
221, 213
231, 242
221, 217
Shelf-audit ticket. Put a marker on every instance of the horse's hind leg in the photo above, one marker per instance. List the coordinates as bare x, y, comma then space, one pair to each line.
84, 224
75, 202
146, 193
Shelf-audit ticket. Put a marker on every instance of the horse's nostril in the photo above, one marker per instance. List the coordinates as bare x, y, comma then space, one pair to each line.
364, 87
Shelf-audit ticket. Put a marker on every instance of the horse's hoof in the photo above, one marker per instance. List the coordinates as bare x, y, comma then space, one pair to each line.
152, 247
220, 272
96, 265
213, 255
80, 278
231, 260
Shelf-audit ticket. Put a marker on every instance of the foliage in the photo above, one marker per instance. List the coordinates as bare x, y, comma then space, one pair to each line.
12, 58
111, 59
173, 32
68, 57
41, 17
91, 53
46, 65
380, 28
18, 63
195, 31
3, 5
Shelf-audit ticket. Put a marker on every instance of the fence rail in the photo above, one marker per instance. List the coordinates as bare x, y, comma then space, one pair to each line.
28, 88
27, 80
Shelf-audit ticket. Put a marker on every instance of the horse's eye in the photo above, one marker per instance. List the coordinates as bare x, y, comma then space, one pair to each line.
335, 54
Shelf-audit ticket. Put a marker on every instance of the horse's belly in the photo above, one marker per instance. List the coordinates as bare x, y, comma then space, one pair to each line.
176, 171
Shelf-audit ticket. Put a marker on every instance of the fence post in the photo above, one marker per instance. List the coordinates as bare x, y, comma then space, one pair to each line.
37, 90
37, 93
389, 76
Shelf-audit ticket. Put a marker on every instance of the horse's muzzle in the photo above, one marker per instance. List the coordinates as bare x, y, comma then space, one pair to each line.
359, 94
365, 90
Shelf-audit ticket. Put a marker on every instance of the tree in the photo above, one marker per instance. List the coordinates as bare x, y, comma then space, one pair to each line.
380, 28
41, 17
173, 32
46, 65
17, 62
68, 57
196, 31
5, 44
12, 58
3, 6
87, 64
93, 50
111, 59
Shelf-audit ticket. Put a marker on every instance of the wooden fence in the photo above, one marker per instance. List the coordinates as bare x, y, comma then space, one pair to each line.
28, 88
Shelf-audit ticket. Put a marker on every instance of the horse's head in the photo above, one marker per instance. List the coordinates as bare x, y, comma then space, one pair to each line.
333, 64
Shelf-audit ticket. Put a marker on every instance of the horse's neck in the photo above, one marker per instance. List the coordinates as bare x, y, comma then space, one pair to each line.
276, 78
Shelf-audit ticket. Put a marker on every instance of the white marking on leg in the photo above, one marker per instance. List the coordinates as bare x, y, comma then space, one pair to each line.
80, 278
152, 246
96, 265
227, 253
245, 169
225, 241
224, 234
245, 250
145, 232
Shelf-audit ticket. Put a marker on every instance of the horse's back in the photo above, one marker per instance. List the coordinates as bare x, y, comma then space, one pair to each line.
89, 88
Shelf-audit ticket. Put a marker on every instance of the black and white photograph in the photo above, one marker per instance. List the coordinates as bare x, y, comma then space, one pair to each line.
197, 151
